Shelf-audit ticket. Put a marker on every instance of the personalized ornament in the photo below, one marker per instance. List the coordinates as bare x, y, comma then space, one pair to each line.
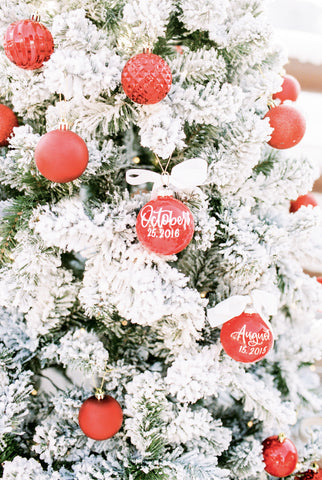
302, 201
280, 456
8, 121
146, 78
288, 125
290, 89
100, 417
61, 155
28, 44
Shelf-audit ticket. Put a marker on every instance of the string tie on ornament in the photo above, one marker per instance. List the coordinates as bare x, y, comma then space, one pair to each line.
187, 176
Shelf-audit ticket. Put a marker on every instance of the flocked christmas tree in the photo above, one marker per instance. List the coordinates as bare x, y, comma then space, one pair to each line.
148, 248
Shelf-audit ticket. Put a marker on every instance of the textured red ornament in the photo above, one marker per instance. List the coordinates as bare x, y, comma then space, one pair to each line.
289, 126
61, 156
8, 121
246, 338
280, 456
165, 225
28, 44
146, 78
302, 201
290, 89
100, 419
310, 475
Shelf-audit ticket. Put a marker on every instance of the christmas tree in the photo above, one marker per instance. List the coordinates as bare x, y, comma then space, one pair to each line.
156, 321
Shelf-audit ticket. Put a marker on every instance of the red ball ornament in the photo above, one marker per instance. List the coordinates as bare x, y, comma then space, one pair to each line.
28, 44
8, 121
310, 475
246, 338
280, 455
61, 155
100, 418
302, 201
165, 225
290, 89
289, 126
146, 78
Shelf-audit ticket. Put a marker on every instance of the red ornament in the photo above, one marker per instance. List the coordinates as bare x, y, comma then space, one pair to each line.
290, 89
280, 455
28, 44
302, 201
165, 225
8, 121
289, 126
319, 279
61, 156
310, 475
100, 418
146, 78
246, 338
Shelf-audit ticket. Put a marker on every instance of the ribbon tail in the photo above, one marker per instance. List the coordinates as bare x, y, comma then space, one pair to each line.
227, 309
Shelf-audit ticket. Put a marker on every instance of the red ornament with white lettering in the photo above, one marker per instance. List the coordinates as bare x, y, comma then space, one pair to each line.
280, 455
165, 225
246, 338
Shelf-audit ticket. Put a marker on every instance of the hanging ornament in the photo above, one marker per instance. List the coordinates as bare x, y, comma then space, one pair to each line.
246, 338
8, 121
28, 43
289, 126
280, 455
61, 155
146, 78
100, 417
290, 89
312, 474
302, 201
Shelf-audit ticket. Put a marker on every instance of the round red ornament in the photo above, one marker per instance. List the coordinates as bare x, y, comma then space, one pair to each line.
246, 338
61, 155
100, 418
310, 475
290, 89
280, 455
146, 78
302, 201
28, 44
289, 126
8, 121
165, 225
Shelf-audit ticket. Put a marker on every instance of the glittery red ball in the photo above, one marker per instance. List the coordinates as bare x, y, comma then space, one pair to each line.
165, 225
289, 126
100, 419
28, 44
8, 121
61, 156
246, 338
310, 475
302, 201
146, 78
290, 89
280, 456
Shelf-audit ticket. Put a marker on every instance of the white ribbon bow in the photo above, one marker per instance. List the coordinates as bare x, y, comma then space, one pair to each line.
186, 175
263, 303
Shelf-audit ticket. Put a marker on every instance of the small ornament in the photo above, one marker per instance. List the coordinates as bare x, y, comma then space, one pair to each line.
289, 126
319, 279
314, 473
28, 44
165, 225
61, 155
246, 338
8, 121
146, 78
302, 201
290, 89
100, 417
280, 455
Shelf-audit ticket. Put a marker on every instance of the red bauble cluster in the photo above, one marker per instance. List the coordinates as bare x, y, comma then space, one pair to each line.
8, 121
146, 78
290, 89
165, 225
28, 44
100, 418
246, 338
289, 126
61, 155
302, 201
280, 456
